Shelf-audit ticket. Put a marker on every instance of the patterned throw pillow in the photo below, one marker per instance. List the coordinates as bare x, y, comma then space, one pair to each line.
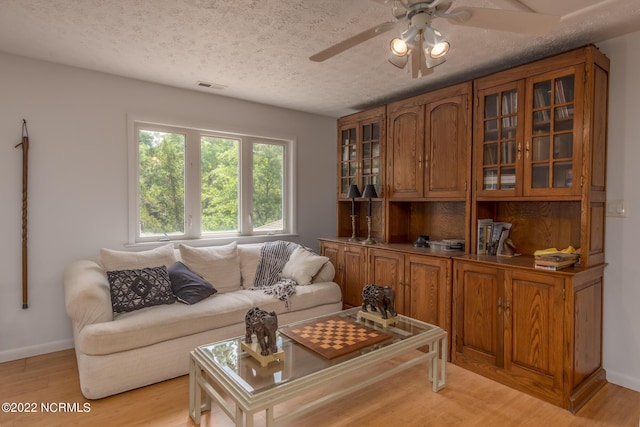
138, 288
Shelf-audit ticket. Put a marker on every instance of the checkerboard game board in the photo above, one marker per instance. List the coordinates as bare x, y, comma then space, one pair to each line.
334, 336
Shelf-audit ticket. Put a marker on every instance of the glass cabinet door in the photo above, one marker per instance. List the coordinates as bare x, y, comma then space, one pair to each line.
371, 156
551, 147
500, 140
348, 164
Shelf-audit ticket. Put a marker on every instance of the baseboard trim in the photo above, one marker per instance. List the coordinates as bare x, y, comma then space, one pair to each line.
35, 350
623, 380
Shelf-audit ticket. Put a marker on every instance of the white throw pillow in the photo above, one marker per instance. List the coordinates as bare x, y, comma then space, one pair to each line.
219, 265
303, 265
249, 258
123, 260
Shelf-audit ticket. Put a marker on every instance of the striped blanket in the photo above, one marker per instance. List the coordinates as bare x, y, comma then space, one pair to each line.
273, 257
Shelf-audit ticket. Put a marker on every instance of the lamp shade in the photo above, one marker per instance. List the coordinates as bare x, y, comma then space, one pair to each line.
353, 192
370, 192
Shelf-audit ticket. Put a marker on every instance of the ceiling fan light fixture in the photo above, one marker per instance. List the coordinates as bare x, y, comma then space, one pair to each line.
439, 50
399, 47
437, 44
399, 61
433, 62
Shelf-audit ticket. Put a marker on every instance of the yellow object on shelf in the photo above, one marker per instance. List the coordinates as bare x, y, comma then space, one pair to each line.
545, 251
568, 250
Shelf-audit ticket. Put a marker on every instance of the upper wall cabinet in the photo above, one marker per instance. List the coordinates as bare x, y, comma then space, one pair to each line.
533, 128
429, 145
360, 151
540, 152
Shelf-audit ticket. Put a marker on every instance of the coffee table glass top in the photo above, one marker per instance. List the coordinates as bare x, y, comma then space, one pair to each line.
299, 361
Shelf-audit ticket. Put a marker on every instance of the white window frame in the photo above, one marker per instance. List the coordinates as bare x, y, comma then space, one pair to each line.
192, 226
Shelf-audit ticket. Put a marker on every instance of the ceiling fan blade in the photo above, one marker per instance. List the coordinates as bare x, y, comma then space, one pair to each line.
503, 20
353, 41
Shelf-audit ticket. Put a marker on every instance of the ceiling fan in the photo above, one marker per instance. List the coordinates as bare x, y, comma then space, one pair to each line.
424, 47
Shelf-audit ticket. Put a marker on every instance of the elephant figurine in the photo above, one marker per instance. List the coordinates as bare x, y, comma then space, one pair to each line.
379, 298
264, 325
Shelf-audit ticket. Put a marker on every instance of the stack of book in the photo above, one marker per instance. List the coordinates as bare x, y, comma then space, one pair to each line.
556, 260
491, 236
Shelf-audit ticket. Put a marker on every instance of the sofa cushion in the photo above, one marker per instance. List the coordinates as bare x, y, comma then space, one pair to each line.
165, 322
249, 257
138, 288
326, 274
219, 265
303, 265
124, 260
187, 286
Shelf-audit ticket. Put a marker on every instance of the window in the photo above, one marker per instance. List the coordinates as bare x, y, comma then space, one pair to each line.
192, 183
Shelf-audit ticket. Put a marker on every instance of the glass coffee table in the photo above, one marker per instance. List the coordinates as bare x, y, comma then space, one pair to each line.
242, 387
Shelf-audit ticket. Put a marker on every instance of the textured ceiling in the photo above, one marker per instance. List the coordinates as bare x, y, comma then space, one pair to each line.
259, 49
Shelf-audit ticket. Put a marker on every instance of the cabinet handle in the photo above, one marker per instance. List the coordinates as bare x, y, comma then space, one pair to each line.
499, 305
527, 150
507, 307
420, 162
519, 150
426, 162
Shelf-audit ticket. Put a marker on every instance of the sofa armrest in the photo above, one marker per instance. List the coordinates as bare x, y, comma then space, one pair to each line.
86, 293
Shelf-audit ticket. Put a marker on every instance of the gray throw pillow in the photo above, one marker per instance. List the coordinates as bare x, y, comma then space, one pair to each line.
138, 288
187, 286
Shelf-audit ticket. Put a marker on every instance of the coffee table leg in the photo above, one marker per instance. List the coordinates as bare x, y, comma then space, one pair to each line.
433, 364
439, 379
270, 422
195, 396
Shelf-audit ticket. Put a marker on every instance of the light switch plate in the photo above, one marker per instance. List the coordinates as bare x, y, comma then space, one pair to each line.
616, 208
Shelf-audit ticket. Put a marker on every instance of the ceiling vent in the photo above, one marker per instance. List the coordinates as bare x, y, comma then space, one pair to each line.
208, 85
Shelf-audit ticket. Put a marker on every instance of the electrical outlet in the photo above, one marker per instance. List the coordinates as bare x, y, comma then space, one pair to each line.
615, 208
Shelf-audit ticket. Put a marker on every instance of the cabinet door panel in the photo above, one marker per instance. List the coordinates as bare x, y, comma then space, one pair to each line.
387, 269
405, 152
477, 321
335, 253
533, 327
553, 134
499, 131
447, 141
354, 275
429, 290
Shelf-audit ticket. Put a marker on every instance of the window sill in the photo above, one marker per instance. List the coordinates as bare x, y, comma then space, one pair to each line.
212, 241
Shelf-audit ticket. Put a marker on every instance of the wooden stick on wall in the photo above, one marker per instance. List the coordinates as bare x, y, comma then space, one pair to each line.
25, 176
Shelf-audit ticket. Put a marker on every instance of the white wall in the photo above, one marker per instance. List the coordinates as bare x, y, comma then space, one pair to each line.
622, 275
77, 123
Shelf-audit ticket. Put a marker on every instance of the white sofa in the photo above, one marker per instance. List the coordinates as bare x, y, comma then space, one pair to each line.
117, 352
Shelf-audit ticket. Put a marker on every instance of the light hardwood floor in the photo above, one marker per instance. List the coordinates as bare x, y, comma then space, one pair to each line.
405, 400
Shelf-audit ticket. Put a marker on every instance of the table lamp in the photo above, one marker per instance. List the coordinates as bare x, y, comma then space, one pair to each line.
352, 194
369, 193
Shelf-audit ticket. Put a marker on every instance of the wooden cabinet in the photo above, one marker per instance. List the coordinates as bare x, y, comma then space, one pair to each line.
529, 135
428, 289
420, 278
525, 146
540, 150
532, 330
421, 283
361, 148
429, 166
350, 264
386, 268
361, 139
429, 145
